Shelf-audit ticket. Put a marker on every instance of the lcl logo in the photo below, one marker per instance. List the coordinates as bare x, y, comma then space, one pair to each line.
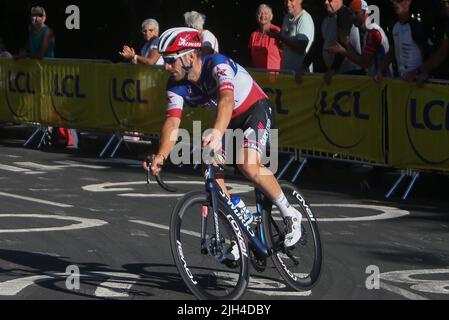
20, 82
336, 109
427, 126
127, 91
121, 90
426, 121
342, 105
67, 86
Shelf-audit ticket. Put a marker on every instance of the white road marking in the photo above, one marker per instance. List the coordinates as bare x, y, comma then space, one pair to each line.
402, 292
166, 228
12, 168
38, 166
84, 223
13, 287
50, 203
127, 186
263, 286
152, 195
387, 212
118, 286
424, 280
74, 164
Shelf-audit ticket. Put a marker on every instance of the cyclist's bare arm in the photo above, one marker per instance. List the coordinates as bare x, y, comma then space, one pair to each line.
224, 114
169, 135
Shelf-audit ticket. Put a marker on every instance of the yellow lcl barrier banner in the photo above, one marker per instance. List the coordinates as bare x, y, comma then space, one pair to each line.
344, 118
418, 125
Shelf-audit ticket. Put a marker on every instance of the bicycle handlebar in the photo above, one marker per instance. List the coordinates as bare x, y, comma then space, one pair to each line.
159, 180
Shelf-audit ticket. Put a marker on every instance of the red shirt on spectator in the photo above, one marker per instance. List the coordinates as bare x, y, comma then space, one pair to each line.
265, 50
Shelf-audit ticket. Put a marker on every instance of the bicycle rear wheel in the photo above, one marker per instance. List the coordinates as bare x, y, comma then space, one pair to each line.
299, 266
206, 269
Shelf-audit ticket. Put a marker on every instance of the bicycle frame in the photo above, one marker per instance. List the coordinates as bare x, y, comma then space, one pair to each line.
216, 194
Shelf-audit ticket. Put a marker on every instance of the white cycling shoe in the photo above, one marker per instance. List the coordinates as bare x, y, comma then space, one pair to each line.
232, 253
292, 228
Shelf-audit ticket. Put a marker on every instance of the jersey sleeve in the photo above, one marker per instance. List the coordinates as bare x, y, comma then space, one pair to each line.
373, 42
224, 75
175, 104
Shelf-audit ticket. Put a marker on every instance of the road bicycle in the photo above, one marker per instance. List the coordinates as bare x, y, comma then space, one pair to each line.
213, 247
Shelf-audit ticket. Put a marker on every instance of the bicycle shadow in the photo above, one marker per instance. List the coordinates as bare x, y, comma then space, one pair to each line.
49, 272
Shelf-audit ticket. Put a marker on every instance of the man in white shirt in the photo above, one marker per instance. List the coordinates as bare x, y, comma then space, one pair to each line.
297, 35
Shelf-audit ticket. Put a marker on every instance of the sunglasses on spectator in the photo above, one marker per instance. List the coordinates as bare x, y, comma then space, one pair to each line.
172, 59
40, 15
147, 30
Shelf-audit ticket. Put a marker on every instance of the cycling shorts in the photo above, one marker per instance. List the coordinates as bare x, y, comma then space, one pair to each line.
255, 126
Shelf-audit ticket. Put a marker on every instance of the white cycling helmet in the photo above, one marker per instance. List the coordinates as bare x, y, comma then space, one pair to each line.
177, 39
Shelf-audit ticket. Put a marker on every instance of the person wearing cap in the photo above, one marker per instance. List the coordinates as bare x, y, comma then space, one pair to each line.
442, 54
338, 26
374, 41
148, 54
410, 43
41, 40
297, 36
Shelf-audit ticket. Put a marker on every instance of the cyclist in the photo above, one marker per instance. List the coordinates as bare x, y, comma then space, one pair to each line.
217, 82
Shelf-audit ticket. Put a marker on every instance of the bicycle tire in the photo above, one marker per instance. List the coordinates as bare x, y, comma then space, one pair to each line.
189, 265
302, 277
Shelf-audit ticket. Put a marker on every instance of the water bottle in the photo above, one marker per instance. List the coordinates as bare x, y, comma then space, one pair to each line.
247, 215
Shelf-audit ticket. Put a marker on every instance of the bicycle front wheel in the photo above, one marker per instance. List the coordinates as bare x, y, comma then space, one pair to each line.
299, 266
211, 269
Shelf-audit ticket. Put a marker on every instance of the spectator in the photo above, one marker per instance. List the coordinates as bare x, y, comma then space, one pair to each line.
409, 46
374, 41
337, 26
297, 35
3, 53
148, 54
441, 54
41, 41
266, 52
196, 21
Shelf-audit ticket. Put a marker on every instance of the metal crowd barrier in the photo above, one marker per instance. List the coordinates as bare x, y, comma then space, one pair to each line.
42, 131
301, 157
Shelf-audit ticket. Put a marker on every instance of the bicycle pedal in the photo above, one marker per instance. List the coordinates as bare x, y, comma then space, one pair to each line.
231, 263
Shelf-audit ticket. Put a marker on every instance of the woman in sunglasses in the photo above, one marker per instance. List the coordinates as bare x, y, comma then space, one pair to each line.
41, 40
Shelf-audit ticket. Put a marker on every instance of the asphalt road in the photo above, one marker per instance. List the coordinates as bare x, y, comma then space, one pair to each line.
62, 211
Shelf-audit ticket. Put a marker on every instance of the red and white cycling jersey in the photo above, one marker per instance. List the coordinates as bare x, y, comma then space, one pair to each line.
219, 73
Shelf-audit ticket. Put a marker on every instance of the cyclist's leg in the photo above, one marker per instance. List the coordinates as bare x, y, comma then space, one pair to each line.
257, 131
